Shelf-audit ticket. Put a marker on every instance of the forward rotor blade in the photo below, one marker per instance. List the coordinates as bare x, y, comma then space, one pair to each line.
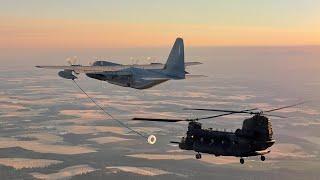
276, 109
211, 117
158, 120
195, 119
179, 120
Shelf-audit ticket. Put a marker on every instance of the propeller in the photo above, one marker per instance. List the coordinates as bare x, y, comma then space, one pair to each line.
69, 74
134, 60
151, 60
94, 60
72, 60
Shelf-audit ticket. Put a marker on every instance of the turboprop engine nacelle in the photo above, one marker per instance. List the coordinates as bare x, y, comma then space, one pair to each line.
67, 74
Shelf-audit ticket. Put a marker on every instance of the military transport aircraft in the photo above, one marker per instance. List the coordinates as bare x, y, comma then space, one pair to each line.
133, 76
253, 139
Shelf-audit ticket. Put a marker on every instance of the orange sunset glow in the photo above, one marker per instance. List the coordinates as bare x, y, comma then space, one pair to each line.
67, 25
84, 34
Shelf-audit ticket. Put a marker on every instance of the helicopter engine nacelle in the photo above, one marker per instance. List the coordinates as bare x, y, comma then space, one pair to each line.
258, 127
193, 126
67, 74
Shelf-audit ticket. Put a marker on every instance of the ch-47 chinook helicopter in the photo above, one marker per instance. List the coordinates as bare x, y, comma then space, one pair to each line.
253, 139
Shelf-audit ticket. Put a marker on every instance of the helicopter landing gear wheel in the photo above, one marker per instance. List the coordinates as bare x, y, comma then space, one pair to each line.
241, 161
263, 158
198, 156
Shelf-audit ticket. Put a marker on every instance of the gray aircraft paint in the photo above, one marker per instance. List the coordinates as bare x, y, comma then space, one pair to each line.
175, 64
135, 76
139, 78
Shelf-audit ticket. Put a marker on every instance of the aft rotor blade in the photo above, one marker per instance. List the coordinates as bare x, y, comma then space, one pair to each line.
272, 115
159, 120
222, 110
276, 109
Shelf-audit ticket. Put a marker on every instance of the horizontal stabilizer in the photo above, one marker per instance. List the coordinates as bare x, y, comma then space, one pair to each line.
188, 76
192, 63
155, 79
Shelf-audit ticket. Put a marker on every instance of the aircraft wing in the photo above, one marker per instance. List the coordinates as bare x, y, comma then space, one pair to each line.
160, 65
99, 69
87, 69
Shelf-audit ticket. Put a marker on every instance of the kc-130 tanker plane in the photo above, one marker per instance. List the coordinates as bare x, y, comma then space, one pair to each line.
133, 76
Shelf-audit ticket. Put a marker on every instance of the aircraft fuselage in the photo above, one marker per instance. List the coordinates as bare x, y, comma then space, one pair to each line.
131, 77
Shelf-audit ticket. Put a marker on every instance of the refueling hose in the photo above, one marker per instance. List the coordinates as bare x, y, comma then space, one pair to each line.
150, 139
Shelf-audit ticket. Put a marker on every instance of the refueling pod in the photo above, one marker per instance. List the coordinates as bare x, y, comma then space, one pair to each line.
67, 74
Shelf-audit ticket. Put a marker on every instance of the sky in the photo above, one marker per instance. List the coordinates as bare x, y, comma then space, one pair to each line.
145, 23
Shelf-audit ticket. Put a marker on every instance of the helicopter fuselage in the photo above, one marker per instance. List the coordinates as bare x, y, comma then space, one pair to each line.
221, 143
253, 139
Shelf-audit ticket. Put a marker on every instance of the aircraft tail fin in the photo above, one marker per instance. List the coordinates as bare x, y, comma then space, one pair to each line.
175, 65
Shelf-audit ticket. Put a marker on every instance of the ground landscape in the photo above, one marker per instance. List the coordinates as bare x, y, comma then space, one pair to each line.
49, 130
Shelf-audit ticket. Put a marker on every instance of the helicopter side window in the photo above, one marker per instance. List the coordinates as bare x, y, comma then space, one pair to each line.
201, 140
